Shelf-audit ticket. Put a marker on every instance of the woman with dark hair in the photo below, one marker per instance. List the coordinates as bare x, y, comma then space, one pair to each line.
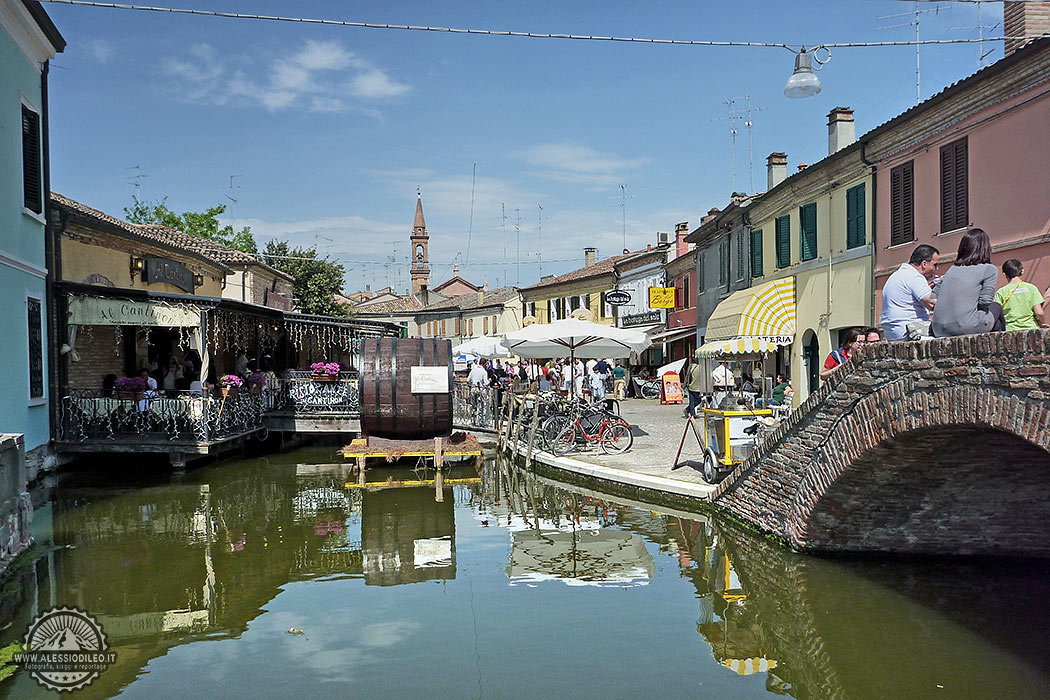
966, 295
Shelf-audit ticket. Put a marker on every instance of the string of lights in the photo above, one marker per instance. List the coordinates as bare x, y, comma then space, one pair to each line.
536, 35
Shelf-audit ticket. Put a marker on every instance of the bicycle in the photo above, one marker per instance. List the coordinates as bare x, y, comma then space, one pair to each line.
612, 433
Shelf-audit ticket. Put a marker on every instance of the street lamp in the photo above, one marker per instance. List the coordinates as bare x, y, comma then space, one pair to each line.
803, 82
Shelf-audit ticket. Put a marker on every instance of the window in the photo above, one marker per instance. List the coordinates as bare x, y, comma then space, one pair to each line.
443, 333
574, 303
685, 292
954, 192
585, 299
902, 204
855, 216
741, 255
756, 253
700, 273
31, 185
782, 233
807, 231
486, 325
494, 330
723, 263
457, 326
470, 327
36, 348
604, 306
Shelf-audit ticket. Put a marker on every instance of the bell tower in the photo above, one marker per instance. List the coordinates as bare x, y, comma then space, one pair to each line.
420, 269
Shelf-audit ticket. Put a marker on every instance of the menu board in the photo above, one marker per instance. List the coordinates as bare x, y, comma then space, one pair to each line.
670, 388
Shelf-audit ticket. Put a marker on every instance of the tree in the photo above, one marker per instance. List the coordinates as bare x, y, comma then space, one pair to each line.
317, 280
202, 224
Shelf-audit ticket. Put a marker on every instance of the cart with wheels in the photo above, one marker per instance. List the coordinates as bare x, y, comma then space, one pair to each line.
729, 437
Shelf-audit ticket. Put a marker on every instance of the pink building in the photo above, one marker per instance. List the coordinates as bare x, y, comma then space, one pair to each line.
680, 273
977, 154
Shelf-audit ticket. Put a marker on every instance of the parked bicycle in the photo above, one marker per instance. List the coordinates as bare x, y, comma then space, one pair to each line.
612, 433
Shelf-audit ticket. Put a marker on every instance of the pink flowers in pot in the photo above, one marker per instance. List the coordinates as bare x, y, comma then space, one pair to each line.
330, 368
135, 384
256, 379
230, 380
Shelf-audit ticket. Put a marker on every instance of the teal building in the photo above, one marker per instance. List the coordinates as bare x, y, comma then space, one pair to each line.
28, 41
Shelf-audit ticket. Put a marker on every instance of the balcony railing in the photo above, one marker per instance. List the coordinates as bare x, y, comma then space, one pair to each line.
174, 417
473, 407
302, 394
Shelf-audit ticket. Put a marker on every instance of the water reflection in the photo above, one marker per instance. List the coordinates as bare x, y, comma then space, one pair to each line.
224, 555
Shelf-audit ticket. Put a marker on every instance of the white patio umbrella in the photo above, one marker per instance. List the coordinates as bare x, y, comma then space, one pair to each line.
579, 338
484, 346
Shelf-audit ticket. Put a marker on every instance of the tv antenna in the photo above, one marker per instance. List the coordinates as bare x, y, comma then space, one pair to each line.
981, 27
623, 205
328, 245
503, 209
539, 239
733, 117
517, 248
915, 15
136, 179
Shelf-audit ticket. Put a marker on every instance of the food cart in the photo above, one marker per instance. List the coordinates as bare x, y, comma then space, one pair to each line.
730, 436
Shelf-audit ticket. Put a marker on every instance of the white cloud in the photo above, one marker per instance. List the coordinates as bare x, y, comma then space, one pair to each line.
320, 76
100, 49
571, 162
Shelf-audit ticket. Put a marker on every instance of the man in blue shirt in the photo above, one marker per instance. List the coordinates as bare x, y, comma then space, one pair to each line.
907, 296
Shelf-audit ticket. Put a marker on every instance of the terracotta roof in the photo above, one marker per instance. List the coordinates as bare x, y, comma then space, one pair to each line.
394, 306
211, 250
470, 299
455, 278
599, 268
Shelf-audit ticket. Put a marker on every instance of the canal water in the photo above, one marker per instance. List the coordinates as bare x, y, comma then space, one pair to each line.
282, 577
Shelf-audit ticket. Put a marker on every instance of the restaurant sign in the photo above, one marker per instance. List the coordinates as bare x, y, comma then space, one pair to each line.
643, 319
164, 270
618, 297
94, 311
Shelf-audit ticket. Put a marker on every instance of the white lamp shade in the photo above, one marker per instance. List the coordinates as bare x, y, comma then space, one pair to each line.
803, 82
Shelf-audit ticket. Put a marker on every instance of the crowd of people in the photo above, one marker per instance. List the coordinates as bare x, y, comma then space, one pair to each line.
917, 302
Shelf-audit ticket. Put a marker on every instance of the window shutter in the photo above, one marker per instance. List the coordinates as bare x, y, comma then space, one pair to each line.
31, 186
602, 306
756, 253
954, 185
783, 241
807, 218
855, 216
586, 298
902, 204
685, 291
700, 286
723, 265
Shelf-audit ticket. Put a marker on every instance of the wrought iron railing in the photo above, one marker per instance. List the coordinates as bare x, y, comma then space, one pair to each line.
302, 394
474, 407
175, 416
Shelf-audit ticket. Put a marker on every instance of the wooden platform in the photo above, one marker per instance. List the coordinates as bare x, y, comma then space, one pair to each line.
363, 449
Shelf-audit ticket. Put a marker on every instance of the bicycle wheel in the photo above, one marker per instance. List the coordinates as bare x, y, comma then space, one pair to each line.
549, 430
565, 442
650, 390
612, 407
617, 438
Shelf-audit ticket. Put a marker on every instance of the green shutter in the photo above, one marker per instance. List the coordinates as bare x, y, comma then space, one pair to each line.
855, 216
700, 274
756, 253
807, 239
723, 264
783, 242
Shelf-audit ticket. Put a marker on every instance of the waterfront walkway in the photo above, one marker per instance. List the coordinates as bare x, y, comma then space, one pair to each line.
657, 432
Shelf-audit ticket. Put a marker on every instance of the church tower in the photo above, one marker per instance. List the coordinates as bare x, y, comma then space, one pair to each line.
420, 260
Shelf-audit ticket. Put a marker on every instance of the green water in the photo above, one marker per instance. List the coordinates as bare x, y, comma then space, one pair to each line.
508, 587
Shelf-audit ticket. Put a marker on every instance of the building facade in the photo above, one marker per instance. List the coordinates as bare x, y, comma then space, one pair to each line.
579, 293
680, 339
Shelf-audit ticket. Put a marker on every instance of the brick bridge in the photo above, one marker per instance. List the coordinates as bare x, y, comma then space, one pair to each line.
932, 447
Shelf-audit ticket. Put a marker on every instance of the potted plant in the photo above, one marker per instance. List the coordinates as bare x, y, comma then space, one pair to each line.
229, 384
325, 371
130, 387
256, 381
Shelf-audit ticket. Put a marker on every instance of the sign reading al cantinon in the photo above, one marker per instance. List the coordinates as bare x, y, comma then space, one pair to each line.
164, 270
94, 311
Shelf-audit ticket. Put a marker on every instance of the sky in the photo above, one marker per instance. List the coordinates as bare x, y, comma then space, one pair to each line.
525, 150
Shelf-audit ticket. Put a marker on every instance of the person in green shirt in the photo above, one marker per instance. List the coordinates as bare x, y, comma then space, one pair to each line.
783, 384
1022, 303
619, 374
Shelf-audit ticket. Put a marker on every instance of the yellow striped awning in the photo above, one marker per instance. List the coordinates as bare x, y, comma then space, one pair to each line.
748, 345
745, 667
766, 311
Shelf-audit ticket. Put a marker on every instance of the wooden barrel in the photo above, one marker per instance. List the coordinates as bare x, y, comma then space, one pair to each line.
398, 401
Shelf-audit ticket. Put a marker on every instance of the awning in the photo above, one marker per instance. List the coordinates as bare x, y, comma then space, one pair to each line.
675, 334
100, 311
748, 345
766, 311
746, 667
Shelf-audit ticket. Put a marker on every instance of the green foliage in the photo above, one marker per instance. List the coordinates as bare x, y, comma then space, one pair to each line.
7, 657
316, 279
203, 224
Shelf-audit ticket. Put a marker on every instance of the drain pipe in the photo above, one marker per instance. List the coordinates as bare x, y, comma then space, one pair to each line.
874, 210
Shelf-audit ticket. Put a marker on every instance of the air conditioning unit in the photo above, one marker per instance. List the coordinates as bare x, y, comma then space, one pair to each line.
663, 238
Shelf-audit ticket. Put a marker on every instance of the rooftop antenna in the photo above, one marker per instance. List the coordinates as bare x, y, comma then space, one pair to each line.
503, 209
136, 179
328, 245
915, 14
746, 116
732, 119
517, 247
470, 226
539, 239
231, 190
623, 205
980, 27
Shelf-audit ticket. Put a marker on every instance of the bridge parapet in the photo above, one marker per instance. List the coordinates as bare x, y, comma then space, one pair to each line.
914, 447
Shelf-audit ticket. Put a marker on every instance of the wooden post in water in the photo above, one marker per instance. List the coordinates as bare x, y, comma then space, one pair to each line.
439, 486
509, 422
517, 428
361, 459
532, 435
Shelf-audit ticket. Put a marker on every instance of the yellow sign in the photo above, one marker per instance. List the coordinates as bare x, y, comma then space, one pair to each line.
661, 297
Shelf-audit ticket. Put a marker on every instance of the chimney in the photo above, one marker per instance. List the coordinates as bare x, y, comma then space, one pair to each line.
455, 269
841, 129
802, 165
368, 289
1023, 20
681, 230
481, 296
589, 255
776, 169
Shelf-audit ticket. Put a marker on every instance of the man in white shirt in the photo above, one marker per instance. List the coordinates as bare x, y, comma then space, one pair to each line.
723, 377
478, 377
907, 295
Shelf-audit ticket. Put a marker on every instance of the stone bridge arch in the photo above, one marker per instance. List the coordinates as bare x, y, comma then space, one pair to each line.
930, 447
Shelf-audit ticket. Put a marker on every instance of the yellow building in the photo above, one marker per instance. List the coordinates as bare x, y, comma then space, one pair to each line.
579, 293
816, 227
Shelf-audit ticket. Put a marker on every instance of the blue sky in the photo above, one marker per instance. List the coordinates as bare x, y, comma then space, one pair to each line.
330, 130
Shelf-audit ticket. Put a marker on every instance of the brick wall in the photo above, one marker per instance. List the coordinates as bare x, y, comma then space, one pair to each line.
100, 354
1024, 19
930, 447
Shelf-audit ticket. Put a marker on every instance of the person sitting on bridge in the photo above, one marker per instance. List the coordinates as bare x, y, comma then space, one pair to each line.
872, 335
966, 298
1021, 301
906, 296
852, 341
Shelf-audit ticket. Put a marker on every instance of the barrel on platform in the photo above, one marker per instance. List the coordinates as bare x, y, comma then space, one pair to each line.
406, 387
